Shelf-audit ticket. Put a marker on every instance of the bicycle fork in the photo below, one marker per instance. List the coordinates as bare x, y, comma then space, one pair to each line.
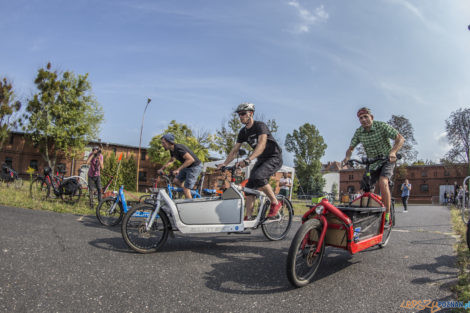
148, 225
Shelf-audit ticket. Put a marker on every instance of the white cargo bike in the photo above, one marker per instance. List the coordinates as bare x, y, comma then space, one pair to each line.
146, 227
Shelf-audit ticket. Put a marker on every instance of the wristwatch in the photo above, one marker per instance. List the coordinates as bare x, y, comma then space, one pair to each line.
247, 161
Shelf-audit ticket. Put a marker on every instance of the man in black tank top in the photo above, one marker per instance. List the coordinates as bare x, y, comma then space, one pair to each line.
267, 152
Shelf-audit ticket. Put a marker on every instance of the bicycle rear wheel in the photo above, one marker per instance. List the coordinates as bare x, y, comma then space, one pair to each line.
135, 233
108, 212
71, 198
278, 227
302, 262
39, 189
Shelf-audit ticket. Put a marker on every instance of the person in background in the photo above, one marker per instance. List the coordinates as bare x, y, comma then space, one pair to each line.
285, 183
95, 161
405, 194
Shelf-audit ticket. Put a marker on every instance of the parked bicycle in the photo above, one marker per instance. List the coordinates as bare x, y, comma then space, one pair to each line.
9, 177
145, 227
111, 210
355, 227
54, 186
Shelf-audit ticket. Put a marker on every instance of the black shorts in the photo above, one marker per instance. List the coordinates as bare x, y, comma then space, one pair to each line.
385, 170
262, 172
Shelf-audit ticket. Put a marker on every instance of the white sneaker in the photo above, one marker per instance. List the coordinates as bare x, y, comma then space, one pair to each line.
405, 211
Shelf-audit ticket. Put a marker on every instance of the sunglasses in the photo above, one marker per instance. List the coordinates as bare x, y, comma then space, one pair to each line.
242, 113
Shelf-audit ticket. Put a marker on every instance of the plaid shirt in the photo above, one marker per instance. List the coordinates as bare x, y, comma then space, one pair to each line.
376, 141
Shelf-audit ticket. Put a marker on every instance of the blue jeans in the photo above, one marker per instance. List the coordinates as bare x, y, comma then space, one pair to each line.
189, 175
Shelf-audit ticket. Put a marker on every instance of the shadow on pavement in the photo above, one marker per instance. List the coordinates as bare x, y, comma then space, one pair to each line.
444, 266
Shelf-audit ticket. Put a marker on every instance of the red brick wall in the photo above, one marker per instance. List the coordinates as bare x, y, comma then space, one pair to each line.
21, 151
418, 175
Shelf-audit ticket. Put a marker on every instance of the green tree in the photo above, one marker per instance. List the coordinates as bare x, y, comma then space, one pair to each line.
404, 127
127, 172
184, 135
308, 147
64, 115
9, 109
458, 135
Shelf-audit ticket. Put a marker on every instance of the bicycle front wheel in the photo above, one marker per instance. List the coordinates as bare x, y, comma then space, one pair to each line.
39, 189
135, 233
108, 212
302, 261
278, 227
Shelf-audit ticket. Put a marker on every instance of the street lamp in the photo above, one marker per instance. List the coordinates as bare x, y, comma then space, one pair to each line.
140, 143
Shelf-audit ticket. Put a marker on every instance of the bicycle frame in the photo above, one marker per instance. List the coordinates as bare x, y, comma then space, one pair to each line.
191, 216
347, 224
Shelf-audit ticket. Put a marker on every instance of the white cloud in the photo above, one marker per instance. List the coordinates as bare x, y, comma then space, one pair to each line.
417, 13
308, 18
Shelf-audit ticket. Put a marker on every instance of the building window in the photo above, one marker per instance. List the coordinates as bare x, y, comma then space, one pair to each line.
220, 183
142, 176
424, 188
351, 177
9, 162
143, 154
435, 174
350, 189
33, 164
11, 139
424, 174
446, 173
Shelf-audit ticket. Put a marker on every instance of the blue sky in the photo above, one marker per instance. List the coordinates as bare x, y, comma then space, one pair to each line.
299, 61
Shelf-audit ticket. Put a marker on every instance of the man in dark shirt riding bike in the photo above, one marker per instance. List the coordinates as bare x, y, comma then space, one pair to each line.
266, 151
190, 167
375, 138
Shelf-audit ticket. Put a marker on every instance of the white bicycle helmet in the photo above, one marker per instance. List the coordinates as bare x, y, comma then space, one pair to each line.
245, 106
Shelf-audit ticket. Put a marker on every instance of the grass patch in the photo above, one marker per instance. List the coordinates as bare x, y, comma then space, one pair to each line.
462, 289
14, 197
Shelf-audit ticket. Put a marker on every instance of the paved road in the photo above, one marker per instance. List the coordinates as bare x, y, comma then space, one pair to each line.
53, 262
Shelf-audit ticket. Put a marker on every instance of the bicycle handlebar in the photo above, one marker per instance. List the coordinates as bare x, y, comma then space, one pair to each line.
367, 161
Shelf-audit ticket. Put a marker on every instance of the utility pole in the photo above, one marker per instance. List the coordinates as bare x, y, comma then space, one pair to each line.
140, 144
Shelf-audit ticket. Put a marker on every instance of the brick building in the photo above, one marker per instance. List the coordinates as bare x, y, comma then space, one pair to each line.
428, 181
19, 153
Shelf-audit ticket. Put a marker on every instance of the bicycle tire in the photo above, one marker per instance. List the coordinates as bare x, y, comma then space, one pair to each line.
104, 214
134, 232
18, 183
468, 234
39, 189
302, 250
388, 231
278, 228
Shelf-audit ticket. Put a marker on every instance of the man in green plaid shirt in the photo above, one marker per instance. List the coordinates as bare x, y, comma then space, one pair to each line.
375, 138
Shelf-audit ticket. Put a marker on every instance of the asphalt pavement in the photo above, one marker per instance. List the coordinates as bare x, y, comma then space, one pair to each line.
52, 262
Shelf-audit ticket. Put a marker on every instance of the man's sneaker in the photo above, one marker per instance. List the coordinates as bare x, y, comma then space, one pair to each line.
274, 209
405, 211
